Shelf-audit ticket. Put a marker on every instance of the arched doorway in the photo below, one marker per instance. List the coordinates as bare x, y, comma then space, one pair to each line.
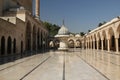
41, 39
38, 39
78, 44
104, 40
9, 45
34, 38
118, 33
56, 42
92, 42
14, 46
71, 43
95, 42
99, 41
112, 39
21, 49
89, 43
28, 36
2, 45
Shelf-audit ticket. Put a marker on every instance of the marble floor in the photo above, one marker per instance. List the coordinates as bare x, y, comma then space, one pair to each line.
76, 64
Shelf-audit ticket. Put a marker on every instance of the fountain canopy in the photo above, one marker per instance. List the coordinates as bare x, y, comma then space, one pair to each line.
63, 31
63, 34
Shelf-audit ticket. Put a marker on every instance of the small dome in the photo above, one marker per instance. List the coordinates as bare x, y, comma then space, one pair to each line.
71, 35
63, 31
77, 35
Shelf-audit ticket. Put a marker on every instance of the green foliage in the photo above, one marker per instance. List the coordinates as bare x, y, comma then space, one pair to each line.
100, 24
89, 30
52, 28
82, 33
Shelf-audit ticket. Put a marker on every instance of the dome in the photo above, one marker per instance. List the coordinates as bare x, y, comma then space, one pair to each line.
77, 35
63, 31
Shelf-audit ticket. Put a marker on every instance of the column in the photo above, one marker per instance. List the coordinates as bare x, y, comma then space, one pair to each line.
116, 42
108, 47
37, 9
88, 44
102, 44
31, 41
93, 44
97, 44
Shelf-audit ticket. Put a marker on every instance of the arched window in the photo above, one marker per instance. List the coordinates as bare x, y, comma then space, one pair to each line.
34, 38
14, 46
38, 40
113, 41
28, 36
9, 45
2, 45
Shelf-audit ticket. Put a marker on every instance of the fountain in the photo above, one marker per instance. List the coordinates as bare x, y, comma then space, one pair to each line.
63, 35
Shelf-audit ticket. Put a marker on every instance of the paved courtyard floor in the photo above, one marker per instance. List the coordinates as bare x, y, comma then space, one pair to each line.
76, 64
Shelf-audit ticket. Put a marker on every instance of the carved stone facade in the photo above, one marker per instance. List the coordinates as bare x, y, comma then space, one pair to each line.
105, 37
20, 32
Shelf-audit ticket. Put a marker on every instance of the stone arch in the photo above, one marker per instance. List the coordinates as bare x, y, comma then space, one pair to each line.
95, 41
28, 36
111, 36
99, 40
21, 47
51, 44
9, 45
38, 39
118, 33
71, 43
14, 45
34, 37
89, 43
56, 42
78, 43
104, 40
92, 37
3, 45
41, 39
45, 39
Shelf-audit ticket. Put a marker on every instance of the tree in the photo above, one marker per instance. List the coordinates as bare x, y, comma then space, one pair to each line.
82, 33
52, 28
100, 24
89, 30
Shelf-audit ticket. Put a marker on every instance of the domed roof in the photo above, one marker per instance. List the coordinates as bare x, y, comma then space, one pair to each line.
77, 35
63, 31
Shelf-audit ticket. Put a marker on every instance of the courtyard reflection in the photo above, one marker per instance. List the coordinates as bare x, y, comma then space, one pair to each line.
107, 63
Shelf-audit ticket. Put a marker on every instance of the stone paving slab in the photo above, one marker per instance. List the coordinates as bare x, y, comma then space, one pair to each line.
77, 69
18, 71
50, 70
106, 63
58, 65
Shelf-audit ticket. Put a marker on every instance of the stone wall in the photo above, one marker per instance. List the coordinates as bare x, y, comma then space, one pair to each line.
1, 7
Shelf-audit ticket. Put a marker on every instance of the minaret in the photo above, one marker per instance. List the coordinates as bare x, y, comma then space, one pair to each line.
37, 9
63, 22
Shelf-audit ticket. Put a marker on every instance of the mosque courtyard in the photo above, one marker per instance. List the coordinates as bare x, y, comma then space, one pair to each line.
74, 64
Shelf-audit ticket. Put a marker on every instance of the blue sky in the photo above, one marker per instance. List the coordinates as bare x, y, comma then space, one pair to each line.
79, 15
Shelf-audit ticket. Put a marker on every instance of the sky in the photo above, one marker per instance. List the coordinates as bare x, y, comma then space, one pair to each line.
79, 15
